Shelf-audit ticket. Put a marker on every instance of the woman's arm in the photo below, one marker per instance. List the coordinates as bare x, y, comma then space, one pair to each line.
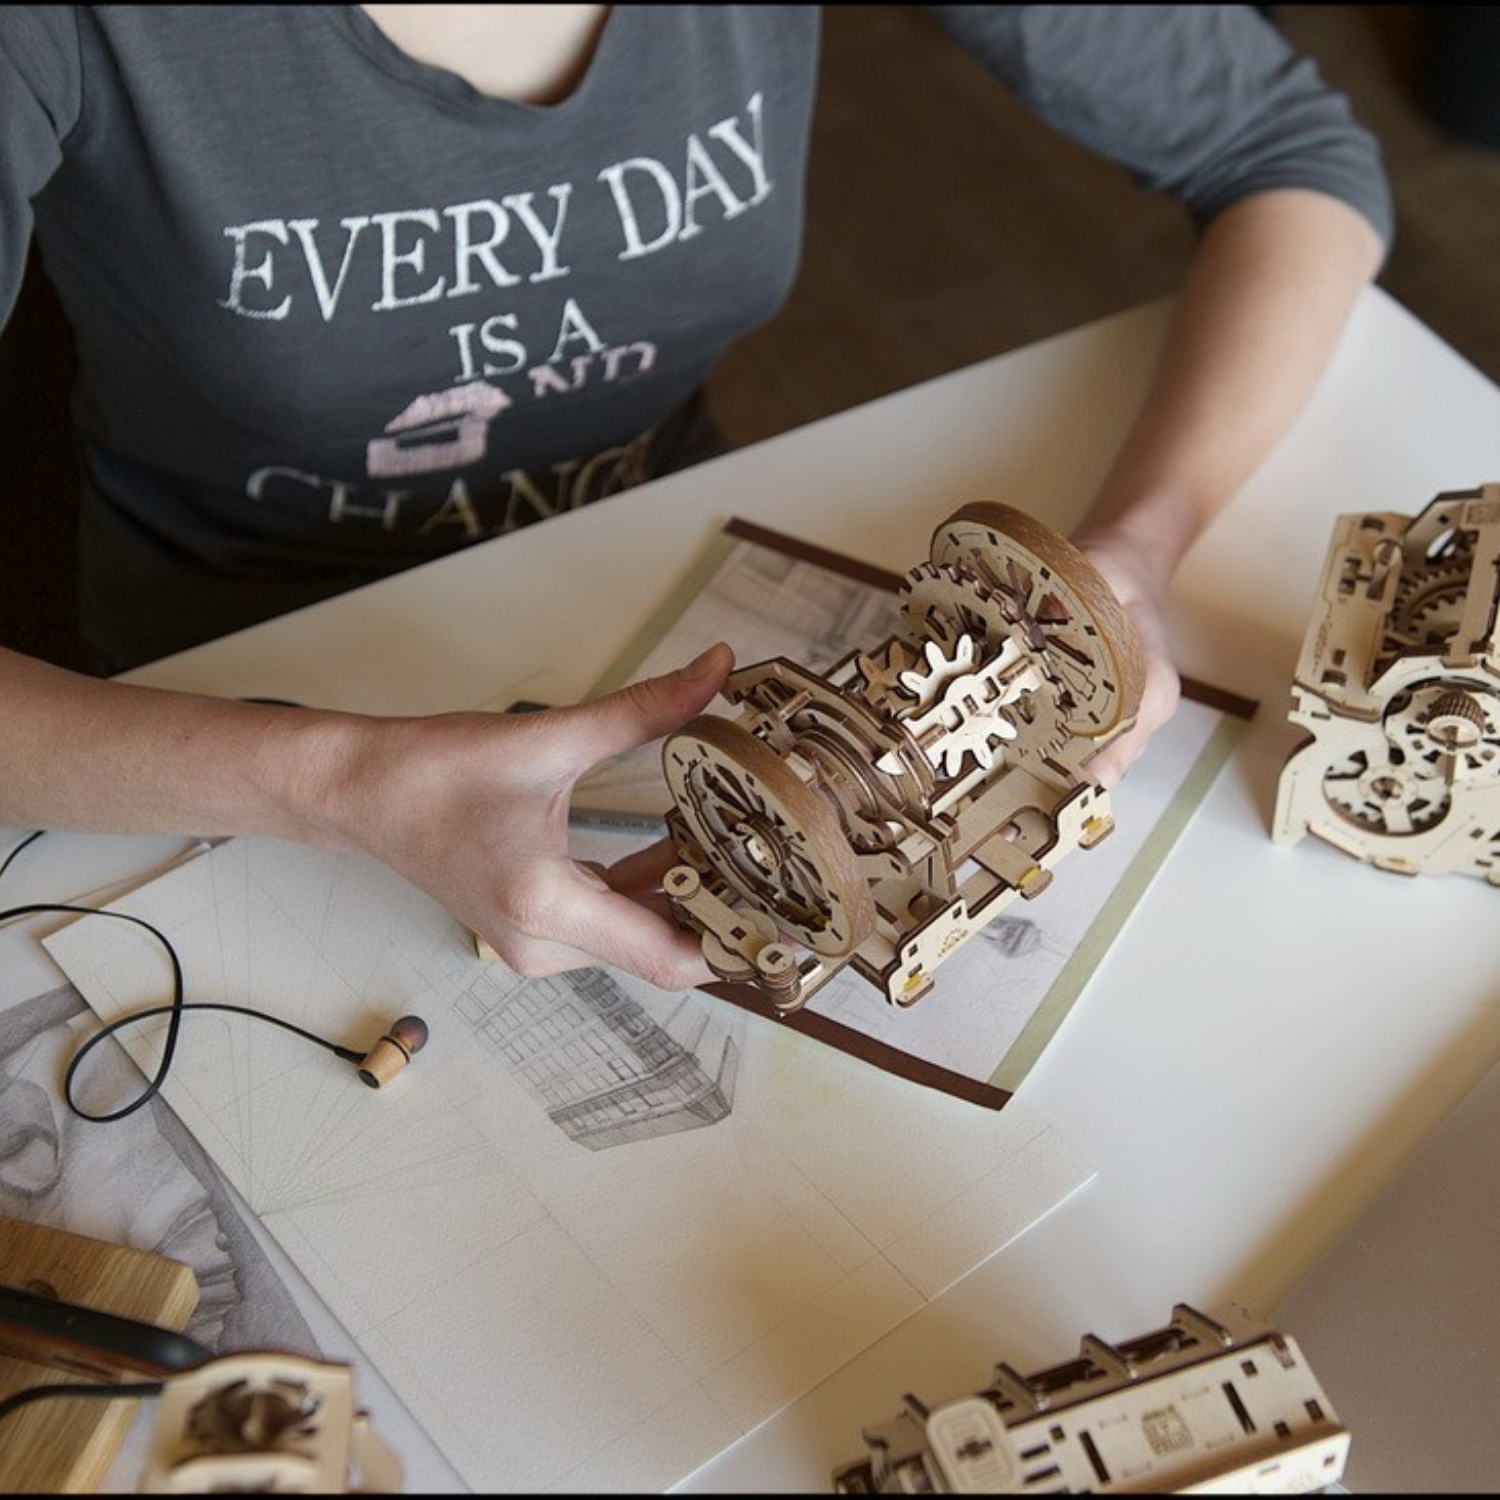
1211, 106
471, 807
1265, 302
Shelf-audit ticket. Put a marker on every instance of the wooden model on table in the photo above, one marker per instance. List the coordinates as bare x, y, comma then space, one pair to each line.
1398, 686
1205, 1405
883, 814
266, 1421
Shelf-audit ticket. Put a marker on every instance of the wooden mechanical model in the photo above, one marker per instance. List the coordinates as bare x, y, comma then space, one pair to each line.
1398, 686
1210, 1405
266, 1421
881, 815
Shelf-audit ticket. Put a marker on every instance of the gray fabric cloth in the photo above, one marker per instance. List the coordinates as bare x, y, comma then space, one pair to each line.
338, 313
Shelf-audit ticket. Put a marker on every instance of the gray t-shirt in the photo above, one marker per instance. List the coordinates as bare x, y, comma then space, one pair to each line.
338, 313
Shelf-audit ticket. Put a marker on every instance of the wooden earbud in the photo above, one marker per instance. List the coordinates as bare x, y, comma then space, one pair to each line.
393, 1051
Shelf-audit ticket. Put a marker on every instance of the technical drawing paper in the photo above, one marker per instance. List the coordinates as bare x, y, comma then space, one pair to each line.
594, 1233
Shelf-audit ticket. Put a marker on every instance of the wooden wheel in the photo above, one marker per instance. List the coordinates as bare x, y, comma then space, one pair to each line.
773, 838
1058, 604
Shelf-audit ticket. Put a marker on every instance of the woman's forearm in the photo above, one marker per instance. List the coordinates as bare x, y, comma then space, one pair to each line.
472, 807
97, 756
1261, 312
1267, 298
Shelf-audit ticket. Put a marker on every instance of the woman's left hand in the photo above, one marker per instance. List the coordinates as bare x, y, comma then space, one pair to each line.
1130, 577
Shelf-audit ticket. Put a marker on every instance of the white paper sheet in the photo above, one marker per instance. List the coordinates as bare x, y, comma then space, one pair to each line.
570, 1291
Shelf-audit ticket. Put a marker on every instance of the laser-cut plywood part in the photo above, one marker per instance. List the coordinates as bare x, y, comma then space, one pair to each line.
1205, 1405
266, 1421
1398, 686
66, 1446
883, 814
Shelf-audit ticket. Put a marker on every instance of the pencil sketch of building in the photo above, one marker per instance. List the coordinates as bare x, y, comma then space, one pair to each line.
768, 603
1013, 936
787, 605
604, 1069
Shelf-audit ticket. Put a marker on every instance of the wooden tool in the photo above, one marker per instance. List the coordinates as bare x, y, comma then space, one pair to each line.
65, 1446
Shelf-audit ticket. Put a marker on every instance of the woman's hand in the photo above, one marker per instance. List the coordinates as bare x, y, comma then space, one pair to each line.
473, 808
1136, 584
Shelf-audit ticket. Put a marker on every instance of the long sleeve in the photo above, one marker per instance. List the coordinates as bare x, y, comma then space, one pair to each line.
1207, 104
40, 90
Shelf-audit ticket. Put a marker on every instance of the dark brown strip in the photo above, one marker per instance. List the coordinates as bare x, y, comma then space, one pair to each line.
1220, 698
835, 562
866, 1049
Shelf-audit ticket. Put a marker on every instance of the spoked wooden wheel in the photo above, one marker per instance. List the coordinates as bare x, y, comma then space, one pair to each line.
774, 839
1056, 602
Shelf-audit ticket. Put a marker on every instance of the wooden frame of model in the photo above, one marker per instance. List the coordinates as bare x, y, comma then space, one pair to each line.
1218, 1404
881, 815
266, 1420
1398, 686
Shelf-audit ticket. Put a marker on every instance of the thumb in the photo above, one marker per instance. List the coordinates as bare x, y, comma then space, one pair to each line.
653, 707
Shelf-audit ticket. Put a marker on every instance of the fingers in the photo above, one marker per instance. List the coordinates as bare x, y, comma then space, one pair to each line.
642, 873
1111, 763
549, 913
1133, 581
593, 927
1159, 700
644, 710
582, 914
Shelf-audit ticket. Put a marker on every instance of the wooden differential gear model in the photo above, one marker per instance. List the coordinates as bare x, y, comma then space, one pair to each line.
880, 816
1398, 685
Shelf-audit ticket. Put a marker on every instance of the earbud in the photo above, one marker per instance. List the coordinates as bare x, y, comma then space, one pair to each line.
393, 1051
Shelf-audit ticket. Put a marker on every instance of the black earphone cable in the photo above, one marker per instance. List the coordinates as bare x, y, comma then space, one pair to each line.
174, 1008
30, 838
27, 1395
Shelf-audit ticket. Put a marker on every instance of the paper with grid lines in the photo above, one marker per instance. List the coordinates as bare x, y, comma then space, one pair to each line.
595, 1232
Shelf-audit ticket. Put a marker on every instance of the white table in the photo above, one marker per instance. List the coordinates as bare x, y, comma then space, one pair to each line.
1274, 1031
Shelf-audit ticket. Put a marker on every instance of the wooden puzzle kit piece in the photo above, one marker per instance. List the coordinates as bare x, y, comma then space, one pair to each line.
1398, 688
1205, 1405
882, 814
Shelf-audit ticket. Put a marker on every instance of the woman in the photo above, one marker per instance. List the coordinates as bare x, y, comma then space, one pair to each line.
356, 286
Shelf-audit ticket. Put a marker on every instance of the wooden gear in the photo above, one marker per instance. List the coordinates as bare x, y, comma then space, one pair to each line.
1398, 686
881, 815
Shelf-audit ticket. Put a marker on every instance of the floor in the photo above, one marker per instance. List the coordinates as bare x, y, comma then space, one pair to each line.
945, 225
